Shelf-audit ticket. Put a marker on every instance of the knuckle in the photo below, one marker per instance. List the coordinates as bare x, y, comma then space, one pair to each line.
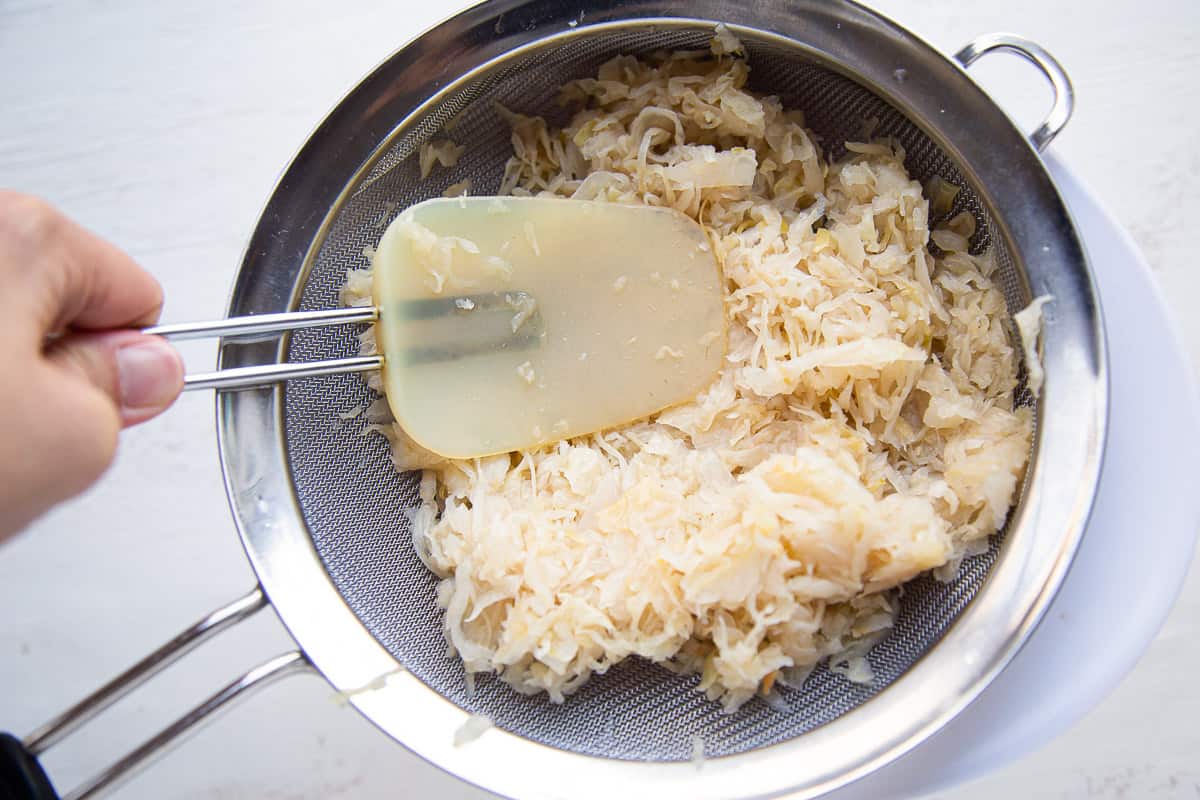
73, 431
89, 444
27, 219
105, 431
157, 294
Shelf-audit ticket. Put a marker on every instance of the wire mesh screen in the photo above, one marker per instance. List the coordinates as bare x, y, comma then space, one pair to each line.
355, 502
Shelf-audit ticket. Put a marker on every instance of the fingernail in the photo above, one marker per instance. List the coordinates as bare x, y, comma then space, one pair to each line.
150, 373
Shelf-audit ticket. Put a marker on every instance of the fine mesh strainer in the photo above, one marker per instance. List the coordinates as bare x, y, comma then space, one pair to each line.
322, 512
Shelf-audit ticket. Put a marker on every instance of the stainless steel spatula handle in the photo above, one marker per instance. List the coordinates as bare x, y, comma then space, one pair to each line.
264, 324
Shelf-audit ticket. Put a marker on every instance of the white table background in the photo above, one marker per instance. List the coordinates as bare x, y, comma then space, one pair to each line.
163, 126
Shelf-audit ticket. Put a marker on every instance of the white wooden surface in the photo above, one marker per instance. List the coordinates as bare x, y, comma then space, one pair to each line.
163, 127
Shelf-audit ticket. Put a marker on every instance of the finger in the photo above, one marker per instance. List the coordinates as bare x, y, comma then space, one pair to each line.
73, 278
140, 375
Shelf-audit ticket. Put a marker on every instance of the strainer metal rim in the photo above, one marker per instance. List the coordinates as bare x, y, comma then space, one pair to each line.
1045, 529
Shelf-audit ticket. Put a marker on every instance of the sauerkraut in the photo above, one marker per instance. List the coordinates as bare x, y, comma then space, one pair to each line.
443, 152
1029, 326
862, 431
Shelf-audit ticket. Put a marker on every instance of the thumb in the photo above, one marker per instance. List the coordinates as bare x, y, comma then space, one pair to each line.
141, 374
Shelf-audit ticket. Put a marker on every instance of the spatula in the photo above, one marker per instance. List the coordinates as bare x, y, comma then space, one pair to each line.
506, 323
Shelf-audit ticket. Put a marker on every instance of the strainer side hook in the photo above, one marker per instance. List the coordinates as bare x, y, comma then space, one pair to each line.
1064, 92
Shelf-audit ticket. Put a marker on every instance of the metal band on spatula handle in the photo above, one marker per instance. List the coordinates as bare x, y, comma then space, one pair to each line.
265, 324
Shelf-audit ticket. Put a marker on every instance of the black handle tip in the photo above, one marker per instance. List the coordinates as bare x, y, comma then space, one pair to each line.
21, 776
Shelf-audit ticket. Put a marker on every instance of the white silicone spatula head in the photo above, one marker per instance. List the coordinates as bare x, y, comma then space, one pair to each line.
506, 323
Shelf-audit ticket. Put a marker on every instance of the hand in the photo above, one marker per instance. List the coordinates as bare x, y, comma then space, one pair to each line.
72, 377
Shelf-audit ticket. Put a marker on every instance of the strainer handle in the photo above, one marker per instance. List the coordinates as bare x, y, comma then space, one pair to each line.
1064, 93
22, 777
